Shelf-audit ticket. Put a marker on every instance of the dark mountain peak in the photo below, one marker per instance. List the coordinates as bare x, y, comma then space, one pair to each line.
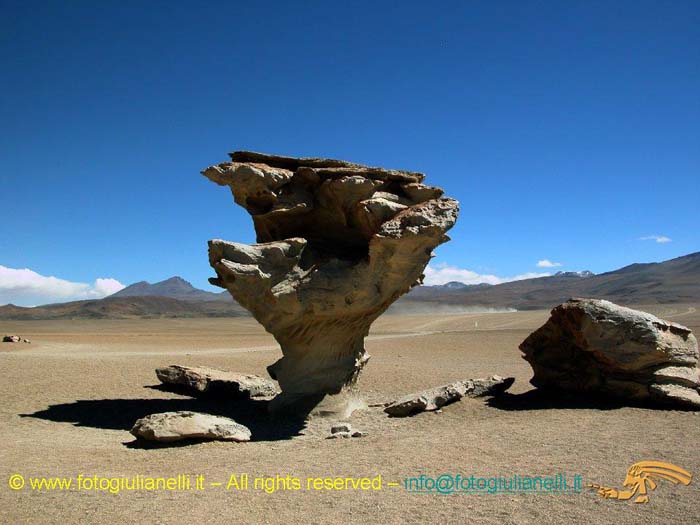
630, 268
685, 263
174, 287
175, 280
177, 283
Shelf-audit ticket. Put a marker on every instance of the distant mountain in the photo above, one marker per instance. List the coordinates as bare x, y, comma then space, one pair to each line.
674, 281
175, 288
173, 297
455, 285
112, 307
427, 292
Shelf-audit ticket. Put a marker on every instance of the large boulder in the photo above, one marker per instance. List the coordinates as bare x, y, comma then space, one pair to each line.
595, 346
337, 243
176, 426
202, 380
434, 398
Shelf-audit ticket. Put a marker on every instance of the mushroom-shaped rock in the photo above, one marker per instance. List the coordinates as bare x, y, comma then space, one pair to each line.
337, 243
595, 346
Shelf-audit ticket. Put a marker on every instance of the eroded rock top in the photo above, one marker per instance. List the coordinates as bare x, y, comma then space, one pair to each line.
337, 206
325, 165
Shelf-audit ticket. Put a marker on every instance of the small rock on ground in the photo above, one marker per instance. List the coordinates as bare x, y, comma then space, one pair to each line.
175, 426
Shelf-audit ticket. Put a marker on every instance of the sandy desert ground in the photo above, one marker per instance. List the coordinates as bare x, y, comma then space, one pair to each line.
69, 399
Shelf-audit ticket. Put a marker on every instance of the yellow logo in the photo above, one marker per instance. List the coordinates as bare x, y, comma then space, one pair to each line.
643, 477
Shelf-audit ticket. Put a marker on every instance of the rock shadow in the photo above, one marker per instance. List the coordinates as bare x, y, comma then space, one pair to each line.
547, 399
121, 414
540, 399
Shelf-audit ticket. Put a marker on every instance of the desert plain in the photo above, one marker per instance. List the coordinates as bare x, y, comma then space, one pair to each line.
70, 397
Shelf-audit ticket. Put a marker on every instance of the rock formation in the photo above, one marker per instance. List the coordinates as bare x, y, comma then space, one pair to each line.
434, 398
176, 426
337, 243
14, 339
594, 346
202, 380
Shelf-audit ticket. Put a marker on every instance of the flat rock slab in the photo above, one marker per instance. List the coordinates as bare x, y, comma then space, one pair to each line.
201, 380
591, 346
175, 426
330, 167
434, 398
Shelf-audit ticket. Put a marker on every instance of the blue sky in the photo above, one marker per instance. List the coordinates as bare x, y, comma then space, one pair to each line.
568, 130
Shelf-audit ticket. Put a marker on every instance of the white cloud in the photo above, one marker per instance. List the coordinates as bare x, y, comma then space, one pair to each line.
444, 273
546, 263
661, 239
25, 287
